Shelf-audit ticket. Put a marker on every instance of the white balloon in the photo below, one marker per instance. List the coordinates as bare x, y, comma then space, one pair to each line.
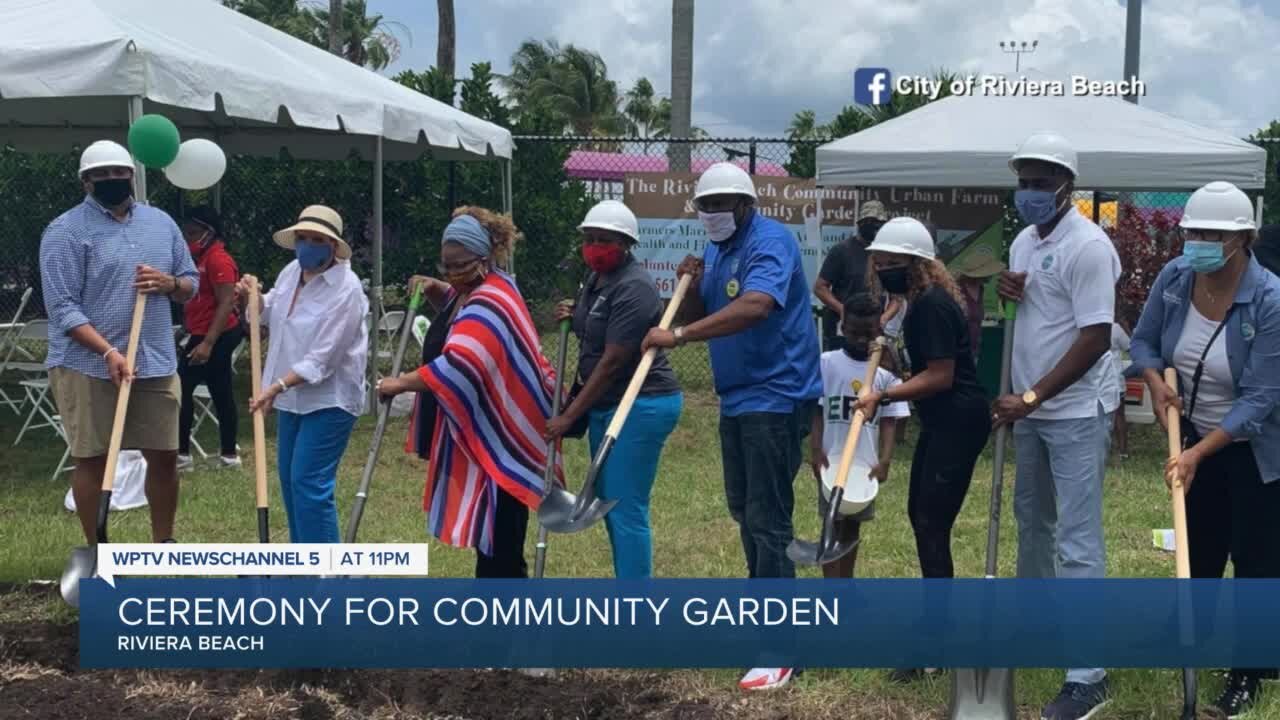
199, 165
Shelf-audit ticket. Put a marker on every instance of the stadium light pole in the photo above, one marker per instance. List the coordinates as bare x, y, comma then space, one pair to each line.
1132, 44
1018, 50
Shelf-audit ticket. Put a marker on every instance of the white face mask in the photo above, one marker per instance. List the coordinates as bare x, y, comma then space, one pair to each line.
720, 226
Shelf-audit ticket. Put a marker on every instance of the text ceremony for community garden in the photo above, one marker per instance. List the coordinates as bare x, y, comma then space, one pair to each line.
663, 361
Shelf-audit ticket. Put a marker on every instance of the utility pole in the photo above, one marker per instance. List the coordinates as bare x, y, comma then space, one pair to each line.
1018, 51
1132, 44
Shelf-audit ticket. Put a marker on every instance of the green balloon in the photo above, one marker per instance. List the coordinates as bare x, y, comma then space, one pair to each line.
154, 141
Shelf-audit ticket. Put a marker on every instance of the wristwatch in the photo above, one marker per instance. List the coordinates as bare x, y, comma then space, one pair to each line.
1030, 399
884, 401
679, 335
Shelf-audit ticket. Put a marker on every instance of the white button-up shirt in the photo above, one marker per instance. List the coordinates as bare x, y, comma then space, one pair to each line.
324, 340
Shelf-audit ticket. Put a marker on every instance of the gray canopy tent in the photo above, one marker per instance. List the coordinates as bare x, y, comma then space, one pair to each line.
75, 71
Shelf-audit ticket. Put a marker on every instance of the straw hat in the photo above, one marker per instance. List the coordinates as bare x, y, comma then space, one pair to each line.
980, 262
317, 219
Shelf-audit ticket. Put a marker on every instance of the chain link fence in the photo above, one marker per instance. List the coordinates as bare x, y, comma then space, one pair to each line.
555, 180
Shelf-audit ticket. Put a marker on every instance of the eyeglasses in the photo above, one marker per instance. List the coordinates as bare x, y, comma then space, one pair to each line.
717, 203
456, 267
1200, 235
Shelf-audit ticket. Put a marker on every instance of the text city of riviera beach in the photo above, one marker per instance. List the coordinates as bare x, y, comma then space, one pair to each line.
1002, 86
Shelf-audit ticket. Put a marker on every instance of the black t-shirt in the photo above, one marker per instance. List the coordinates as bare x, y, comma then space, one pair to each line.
935, 329
845, 267
1267, 248
620, 312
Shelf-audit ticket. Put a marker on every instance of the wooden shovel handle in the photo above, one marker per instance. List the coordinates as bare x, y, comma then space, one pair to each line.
642, 370
1182, 548
122, 398
855, 427
255, 379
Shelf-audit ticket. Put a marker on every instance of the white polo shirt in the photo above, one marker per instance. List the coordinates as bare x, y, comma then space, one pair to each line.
1071, 284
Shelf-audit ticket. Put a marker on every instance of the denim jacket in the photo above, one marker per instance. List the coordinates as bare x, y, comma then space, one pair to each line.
1252, 335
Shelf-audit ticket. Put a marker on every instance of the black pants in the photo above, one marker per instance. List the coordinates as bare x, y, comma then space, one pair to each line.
761, 453
216, 374
940, 474
1231, 515
510, 523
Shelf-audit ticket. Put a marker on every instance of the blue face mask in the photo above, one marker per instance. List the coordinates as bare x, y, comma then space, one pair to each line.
1036, 207
312, 256
1205, 256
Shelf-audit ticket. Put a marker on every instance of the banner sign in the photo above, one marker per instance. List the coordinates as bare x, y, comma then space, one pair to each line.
669, 228
304, 622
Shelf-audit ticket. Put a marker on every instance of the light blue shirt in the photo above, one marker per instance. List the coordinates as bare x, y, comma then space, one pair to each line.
773, 365
1252, 335
88, 260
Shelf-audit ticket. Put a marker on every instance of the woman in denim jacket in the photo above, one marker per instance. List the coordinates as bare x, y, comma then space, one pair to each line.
1214, 315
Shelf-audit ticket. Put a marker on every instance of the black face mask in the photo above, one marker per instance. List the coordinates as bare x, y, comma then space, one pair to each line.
893, 280
867, 232
113, 191
858, 353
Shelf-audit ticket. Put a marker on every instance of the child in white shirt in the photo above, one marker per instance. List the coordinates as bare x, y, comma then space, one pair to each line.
843, 372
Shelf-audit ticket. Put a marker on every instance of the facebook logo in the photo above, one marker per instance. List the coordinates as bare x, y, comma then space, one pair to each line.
872, 86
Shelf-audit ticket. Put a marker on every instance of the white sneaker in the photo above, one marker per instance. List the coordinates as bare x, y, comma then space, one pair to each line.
184, 462
765, 679
229, 462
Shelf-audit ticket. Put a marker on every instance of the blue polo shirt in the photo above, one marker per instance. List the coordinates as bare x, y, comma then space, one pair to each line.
773, 366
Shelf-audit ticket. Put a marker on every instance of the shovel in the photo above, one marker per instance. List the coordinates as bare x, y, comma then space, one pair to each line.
84, 560
829, 548
560, 510
986, 693
384, 411
1182, 548
549, 481
259, 422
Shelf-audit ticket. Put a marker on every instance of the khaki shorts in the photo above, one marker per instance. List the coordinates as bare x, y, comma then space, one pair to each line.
88, 409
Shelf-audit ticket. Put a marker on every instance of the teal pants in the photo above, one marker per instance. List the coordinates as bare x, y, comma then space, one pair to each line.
628, 475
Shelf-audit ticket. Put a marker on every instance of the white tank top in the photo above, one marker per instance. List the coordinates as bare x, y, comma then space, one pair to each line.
1217, 390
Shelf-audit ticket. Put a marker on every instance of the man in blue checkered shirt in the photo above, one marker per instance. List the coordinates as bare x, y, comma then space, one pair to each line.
94, 260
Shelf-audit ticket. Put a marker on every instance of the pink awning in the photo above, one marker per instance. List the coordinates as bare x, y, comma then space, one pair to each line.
590, 165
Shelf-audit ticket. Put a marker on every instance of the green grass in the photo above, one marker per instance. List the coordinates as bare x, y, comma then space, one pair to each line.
693, 537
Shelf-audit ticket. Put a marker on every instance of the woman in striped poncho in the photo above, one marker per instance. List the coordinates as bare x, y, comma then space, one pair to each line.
484, 396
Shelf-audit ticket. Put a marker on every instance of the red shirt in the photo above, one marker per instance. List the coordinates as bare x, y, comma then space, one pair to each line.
216, 268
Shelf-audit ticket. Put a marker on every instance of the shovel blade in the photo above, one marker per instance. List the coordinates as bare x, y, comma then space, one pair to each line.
982, 694
83, 564
577, 522
557, 508
809, 554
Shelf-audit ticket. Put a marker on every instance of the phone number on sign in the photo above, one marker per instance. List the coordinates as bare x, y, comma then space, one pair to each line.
665, 285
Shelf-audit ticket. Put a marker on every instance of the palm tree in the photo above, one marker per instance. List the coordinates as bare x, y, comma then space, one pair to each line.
568, 85
367, 40
446, 38
681, 82
641, 110
283, 15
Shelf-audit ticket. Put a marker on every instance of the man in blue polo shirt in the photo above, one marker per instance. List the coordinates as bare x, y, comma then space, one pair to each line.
752, 307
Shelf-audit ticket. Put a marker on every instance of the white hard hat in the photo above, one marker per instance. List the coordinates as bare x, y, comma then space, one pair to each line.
724, 179
612, 215
104, 153
1218, 206
904, 236
1048, 147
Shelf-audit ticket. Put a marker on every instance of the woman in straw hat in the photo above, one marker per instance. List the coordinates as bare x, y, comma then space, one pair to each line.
315, 368
972, 270
484, 396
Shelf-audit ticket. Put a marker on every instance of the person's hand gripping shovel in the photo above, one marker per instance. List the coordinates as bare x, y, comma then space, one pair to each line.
829, 548
563, 512
84, 560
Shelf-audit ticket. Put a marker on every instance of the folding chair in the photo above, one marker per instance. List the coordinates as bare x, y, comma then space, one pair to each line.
37, 393
10, 347
36, 331
66, 454
386, 336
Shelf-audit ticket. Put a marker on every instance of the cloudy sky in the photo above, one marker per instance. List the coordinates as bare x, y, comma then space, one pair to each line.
756, 62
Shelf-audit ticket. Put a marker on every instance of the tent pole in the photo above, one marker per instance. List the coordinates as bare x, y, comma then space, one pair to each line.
507, 208
139, 170
215, 196
375, 304
817, 243
1258, 218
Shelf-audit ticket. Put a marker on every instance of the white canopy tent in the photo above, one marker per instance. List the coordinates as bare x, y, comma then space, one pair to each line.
966, 141
75, 71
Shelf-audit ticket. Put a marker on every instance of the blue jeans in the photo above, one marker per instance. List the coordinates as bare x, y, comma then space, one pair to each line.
628, 475
309, 448
761, 454
1057, 501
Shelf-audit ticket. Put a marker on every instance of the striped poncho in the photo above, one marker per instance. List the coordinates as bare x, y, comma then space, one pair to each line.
492, 388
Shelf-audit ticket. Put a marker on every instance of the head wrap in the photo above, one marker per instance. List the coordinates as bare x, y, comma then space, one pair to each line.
470, 234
